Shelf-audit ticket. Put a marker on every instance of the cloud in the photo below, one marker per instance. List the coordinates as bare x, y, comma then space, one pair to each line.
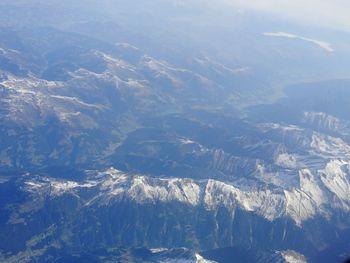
326, 46
325, 13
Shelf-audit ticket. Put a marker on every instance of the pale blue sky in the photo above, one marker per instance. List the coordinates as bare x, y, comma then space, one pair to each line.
325, 13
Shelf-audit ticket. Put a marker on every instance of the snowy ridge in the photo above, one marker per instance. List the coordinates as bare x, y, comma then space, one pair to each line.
30, 100
323, 120
300, 203
328, 146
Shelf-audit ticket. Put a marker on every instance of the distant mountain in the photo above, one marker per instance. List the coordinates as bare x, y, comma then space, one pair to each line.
131, 135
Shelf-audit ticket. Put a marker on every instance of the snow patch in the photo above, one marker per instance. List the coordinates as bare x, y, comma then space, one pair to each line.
336, 178
158, 250
300, 207
329, 146
286, 160
291, 256
200, 259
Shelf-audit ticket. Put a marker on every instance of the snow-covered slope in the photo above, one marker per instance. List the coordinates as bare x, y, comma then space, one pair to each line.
166, 105
318, 193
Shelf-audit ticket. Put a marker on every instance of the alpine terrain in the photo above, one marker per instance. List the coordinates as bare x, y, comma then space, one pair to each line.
171, 131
